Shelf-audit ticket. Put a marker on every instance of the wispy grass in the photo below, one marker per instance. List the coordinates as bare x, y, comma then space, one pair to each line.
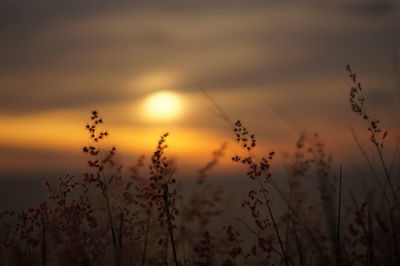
106, 217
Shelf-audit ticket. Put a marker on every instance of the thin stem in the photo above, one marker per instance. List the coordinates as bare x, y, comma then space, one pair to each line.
367, 160
370, 234
395, 240
296, 215
104, 187
44, 251
113, 234
146, 237
298, 244
396, 150
285, 258
28, 249
121, 233
169, 222
367, 236
338, 219
182, 221
251, 230
388, 177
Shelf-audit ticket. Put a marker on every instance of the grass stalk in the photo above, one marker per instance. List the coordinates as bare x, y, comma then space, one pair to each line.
387, 175
395, 239
370, 235
169, 223
146, 238
117, 257
338, 219
369, 163
183, 225
298, 245
104, 187
271, 215
370, 252
44, 247
121, 234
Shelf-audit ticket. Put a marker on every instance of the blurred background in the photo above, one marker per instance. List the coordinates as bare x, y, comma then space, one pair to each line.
279, 66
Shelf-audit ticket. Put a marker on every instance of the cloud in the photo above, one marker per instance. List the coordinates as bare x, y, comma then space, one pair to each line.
85, 54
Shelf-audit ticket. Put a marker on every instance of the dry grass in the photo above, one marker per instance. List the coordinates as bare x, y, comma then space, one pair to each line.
105, 218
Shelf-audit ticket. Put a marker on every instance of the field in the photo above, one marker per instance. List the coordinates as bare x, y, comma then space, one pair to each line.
107, 218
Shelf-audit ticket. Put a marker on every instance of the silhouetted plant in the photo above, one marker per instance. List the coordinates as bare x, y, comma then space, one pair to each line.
107, 218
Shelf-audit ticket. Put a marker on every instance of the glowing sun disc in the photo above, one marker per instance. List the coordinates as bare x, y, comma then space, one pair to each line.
163, 105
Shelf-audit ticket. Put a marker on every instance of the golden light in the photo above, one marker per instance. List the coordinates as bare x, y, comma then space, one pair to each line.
154, 81
163, 106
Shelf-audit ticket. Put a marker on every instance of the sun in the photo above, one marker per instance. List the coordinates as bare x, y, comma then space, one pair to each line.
162, 106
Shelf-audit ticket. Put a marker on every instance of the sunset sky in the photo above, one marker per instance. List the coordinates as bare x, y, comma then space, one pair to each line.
279, 66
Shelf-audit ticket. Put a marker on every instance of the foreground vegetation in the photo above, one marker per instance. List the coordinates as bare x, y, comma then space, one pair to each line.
105, 218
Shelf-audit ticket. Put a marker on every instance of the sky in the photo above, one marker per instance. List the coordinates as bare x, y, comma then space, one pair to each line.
279, 66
